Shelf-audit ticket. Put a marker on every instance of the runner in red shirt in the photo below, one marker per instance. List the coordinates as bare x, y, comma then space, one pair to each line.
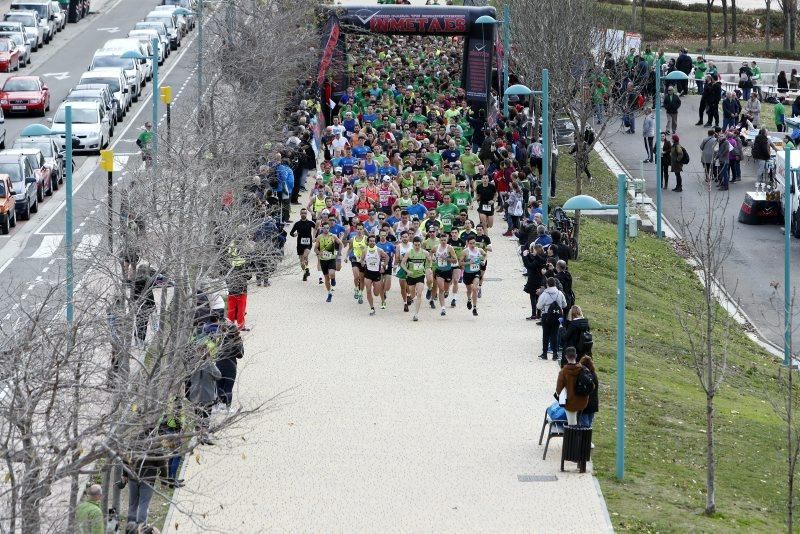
431, 197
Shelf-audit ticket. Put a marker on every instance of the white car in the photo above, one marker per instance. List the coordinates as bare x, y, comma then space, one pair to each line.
134, 76
163, 34
34, 33
60, 15
22, 45
114, 78
171, 22
147, 36
187, 22
90, 126
120, 46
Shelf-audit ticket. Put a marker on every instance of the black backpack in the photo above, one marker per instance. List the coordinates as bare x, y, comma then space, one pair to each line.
584, 385
551, 316
584, 342
685, 159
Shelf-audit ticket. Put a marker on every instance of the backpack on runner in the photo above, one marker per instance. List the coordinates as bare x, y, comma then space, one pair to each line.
551, 316
584, 385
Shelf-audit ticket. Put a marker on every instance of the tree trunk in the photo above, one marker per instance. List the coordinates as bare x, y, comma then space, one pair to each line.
768, 25
633, 15
733, 21
792, 22
725, 23
641, 19
709, 3
786, 24
711, 505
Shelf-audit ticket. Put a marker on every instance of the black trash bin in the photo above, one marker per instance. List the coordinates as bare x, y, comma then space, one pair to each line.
577, 446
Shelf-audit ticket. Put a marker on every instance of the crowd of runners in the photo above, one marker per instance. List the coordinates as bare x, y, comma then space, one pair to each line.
411, 179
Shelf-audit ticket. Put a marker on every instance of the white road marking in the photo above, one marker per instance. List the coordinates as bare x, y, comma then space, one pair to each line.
87, 245
57, 75
49, 245
5, 265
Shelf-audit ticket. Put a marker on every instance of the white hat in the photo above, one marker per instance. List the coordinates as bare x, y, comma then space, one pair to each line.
337, 169
387, 179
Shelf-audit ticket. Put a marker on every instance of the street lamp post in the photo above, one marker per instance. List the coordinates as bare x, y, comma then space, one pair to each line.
588, 203
523, 90
787, 259
675, 75
199, 58
506, 54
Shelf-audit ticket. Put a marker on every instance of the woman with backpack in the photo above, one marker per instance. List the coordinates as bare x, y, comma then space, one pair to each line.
678, 157
586, 417
577, 334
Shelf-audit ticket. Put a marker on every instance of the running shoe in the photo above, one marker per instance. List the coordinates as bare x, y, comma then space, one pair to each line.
475, 312
330, 298
372, 312
433, 306
333, 282
383, 305
305, 277
469, 304
361, 299
320, 278
446, 294
443, 313
453, 303
355, 293
415, 319
428, 295
405, 307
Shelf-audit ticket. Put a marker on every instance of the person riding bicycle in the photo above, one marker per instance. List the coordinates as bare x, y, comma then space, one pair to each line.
145, 140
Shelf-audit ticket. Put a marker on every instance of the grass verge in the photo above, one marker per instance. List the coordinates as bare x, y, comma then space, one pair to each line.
663, 490
603, 185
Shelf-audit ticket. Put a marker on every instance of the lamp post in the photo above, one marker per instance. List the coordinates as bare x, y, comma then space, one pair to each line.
787, 259
506, 55
522, 90
199, 58
485, 20
131, 54
588, 203
675, 75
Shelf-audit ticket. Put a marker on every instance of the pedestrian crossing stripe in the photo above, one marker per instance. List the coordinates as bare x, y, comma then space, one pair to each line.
54, 243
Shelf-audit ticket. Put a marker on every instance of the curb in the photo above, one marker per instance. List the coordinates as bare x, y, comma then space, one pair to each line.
609, 525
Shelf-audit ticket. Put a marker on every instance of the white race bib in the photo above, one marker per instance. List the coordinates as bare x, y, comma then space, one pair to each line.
305, 240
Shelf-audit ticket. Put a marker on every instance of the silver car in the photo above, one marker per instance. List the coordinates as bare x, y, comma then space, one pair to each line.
53, 157
22, 46
60, 15
34, 33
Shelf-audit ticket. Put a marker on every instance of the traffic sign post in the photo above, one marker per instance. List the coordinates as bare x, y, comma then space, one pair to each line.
107, 164
166, 98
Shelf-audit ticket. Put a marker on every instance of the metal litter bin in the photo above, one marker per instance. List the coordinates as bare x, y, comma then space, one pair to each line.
577, 446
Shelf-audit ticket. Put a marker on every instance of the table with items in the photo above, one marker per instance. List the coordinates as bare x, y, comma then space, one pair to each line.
761, 207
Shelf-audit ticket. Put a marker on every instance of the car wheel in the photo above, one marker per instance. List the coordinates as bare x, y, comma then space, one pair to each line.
796, 224
54, 182
26, 215
49, 191
3, 143
39, 194
5, 224
13, 216
35, 207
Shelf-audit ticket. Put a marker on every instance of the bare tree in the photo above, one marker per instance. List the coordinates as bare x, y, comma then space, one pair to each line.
707, 326
725, 23
768, 24
709, 5
641, 19
733, 21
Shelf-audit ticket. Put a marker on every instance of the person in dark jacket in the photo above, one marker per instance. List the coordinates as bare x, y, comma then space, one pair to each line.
676, 157
684, 64
782, 82
535, 261
761, 153
564, 277
142, 468
671, 105
731, 108
586, 417
236, 280
666, 159
567, 378
578, 324
745, 80
796, 107
705, 99
231, 349
143, 300
712, 104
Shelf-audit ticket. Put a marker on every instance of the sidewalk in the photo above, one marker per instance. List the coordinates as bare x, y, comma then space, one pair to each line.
386, 424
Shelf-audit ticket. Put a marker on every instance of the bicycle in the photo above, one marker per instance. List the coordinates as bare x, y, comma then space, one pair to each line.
566, 226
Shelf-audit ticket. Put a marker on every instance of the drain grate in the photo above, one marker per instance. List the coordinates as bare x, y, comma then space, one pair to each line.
537, 478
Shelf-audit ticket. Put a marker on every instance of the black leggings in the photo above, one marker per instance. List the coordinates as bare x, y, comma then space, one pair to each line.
534, 298
650, 148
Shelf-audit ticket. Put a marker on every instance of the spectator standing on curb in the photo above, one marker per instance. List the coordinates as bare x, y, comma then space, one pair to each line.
761, 153
140, 475
203, 391
551, 304
231, 350
671, 105
677, 157
574, 333
88, 515
699, 76
567, 378
683, 64
735, 157
705, 99
731, 108
534, 260
586, 418
782, 82
779, 114
649, 135
712, 103
723, 153
628, 106
666, 158
753, 108
707, 146
236, 281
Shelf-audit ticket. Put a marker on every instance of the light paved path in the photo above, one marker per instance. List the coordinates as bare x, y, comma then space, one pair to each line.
390, 425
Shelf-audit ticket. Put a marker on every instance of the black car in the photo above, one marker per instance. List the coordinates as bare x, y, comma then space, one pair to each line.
24, 181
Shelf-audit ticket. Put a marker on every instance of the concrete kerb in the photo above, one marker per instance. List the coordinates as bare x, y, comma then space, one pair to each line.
721, 294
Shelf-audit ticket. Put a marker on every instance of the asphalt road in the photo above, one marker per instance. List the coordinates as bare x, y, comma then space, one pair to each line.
756, 257
32, 256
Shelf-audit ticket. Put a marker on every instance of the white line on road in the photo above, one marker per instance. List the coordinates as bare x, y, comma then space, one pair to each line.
87, 246
50, 243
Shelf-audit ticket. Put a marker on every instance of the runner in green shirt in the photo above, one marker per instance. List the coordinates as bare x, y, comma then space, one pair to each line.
447, 212
416, 264
469, 160
461, 197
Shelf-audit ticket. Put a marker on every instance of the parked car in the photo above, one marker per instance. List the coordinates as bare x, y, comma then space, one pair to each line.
134, 76
43, 173
25, 94
115, 79
112, 104
76, 9
2, 129
90, 125
127, 44
16, 31
8, 205
9, 55
184, 21
53, 157
146, 37
163, 34
102, 95
30, 21
171, 22
59, 15
24, 182
44, 10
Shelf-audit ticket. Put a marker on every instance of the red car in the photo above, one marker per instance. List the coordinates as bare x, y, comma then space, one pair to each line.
25, 94
9, 55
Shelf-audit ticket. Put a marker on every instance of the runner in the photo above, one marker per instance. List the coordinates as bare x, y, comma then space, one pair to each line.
416, 263
389, 248
372, 259
458, 245
303, 229
357, 242
402, 248
485, 192
484, 242
472, 258
445, 257
325, 246
430, 244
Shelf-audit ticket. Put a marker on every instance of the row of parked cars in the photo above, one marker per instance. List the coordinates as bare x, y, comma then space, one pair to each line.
34, 167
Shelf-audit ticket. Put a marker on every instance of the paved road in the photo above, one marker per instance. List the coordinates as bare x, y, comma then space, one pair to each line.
32, 257
756, 258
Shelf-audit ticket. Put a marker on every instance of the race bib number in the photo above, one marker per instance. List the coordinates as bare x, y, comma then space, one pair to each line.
327, 255
486, 207
461, 202
305, 240
442, 262
417, 265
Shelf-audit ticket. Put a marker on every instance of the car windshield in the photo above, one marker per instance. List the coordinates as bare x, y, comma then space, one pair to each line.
112, 61
2, 189
166, 19
150, 26
112, 83
12, 169
33, 159
26, 20
79, 116
4, 45
45, 146
41, 9
20, 84
9, 28
17, 38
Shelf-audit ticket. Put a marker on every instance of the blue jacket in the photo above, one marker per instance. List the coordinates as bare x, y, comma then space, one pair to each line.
285, 179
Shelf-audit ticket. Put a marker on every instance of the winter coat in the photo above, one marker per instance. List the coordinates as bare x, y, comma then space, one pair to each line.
666, 153
573, 332
567, 378
203, 387
707, 148
676, 157
548, 296
649, 126
594, 402
723, 151
715, 95
731, 108
672, 103
684, 63
761, 147
534, 264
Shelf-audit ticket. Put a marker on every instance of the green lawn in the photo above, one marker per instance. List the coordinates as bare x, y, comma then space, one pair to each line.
603, 185
664, 486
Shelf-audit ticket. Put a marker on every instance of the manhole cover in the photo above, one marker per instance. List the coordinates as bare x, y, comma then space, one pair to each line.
537, 478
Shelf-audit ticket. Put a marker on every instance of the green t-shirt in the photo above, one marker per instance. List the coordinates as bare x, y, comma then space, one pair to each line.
416, 263
89, 518
779, 112
447, 212
144, 139
699, 70
461, 199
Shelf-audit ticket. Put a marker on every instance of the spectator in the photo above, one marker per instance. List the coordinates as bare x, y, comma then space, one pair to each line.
699, 76
707, 147
676, 157
236, 280
574, 333
534, 260
88, 515
140, 474
684, 64
712, 105
705, 99
671, 105
564, 277
753, 109
586, 418
203, 391
628, 108
567, 378
143, 300
782, 82
745, 80
730, 111
551, 304
649, 135
231, 349
779, 115
666, 159
761, 153
735, 156
723, 161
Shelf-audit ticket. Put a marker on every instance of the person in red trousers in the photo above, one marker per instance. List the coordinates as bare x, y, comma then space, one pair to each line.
236, 280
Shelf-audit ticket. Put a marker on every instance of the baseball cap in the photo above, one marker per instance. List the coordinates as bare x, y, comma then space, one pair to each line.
387, 179
337, 169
